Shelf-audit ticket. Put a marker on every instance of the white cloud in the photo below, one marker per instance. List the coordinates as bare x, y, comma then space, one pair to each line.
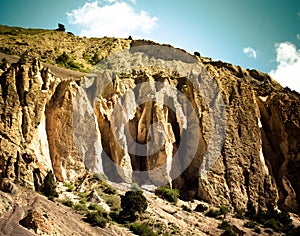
111, 18
287, 72
250, 52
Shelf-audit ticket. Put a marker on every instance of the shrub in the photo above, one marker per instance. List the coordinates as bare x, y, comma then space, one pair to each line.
132, 203
223, 211
227, 227
278, 221
271, 223
95, 59
114, 215
63, 59
82, 194
66, 61
49, 186
197, 54
80, 207
171, 195
97, 218
142, 229
250, 224
109, 190
114, 202
67, 202
95, 207
70, 187
239, 213
83, 201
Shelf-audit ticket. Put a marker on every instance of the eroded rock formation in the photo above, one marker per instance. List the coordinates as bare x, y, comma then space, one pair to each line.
221, 133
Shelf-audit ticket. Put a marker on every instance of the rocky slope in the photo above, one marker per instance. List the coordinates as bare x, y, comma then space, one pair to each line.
150, 114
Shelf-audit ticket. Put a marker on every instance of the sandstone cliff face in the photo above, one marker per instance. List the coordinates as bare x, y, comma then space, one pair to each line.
213, 130
24, 146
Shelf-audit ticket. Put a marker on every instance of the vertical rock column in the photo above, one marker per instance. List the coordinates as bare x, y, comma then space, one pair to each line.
24, 147
65, 158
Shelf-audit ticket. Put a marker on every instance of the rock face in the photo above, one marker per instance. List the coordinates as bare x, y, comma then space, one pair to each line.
157, 116
24, 146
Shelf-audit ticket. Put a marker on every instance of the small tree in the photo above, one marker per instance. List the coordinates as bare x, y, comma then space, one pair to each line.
49, 186
223, 211
197, 54
133, 203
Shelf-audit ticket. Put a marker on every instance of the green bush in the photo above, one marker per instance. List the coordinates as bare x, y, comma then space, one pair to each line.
82, 194
67, 202
250, 224
95, 59
133, 204
271, 218
239, 213
95, 207
83, 201
223, 211
142, 229
171, 195
66, 61
114, 202
97, 218
48, 187
70, 187
80, 207
109, 190
225, 225
271, 223
114, 215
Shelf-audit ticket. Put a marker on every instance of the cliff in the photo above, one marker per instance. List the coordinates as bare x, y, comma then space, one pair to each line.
154, 114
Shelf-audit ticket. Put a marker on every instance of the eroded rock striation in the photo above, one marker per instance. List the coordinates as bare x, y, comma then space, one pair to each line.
215, 131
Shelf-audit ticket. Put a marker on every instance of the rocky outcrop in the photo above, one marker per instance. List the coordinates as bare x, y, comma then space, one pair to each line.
24, 147
158, 116
281, 138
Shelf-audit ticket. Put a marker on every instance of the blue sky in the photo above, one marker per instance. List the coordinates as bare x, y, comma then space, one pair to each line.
260, 34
